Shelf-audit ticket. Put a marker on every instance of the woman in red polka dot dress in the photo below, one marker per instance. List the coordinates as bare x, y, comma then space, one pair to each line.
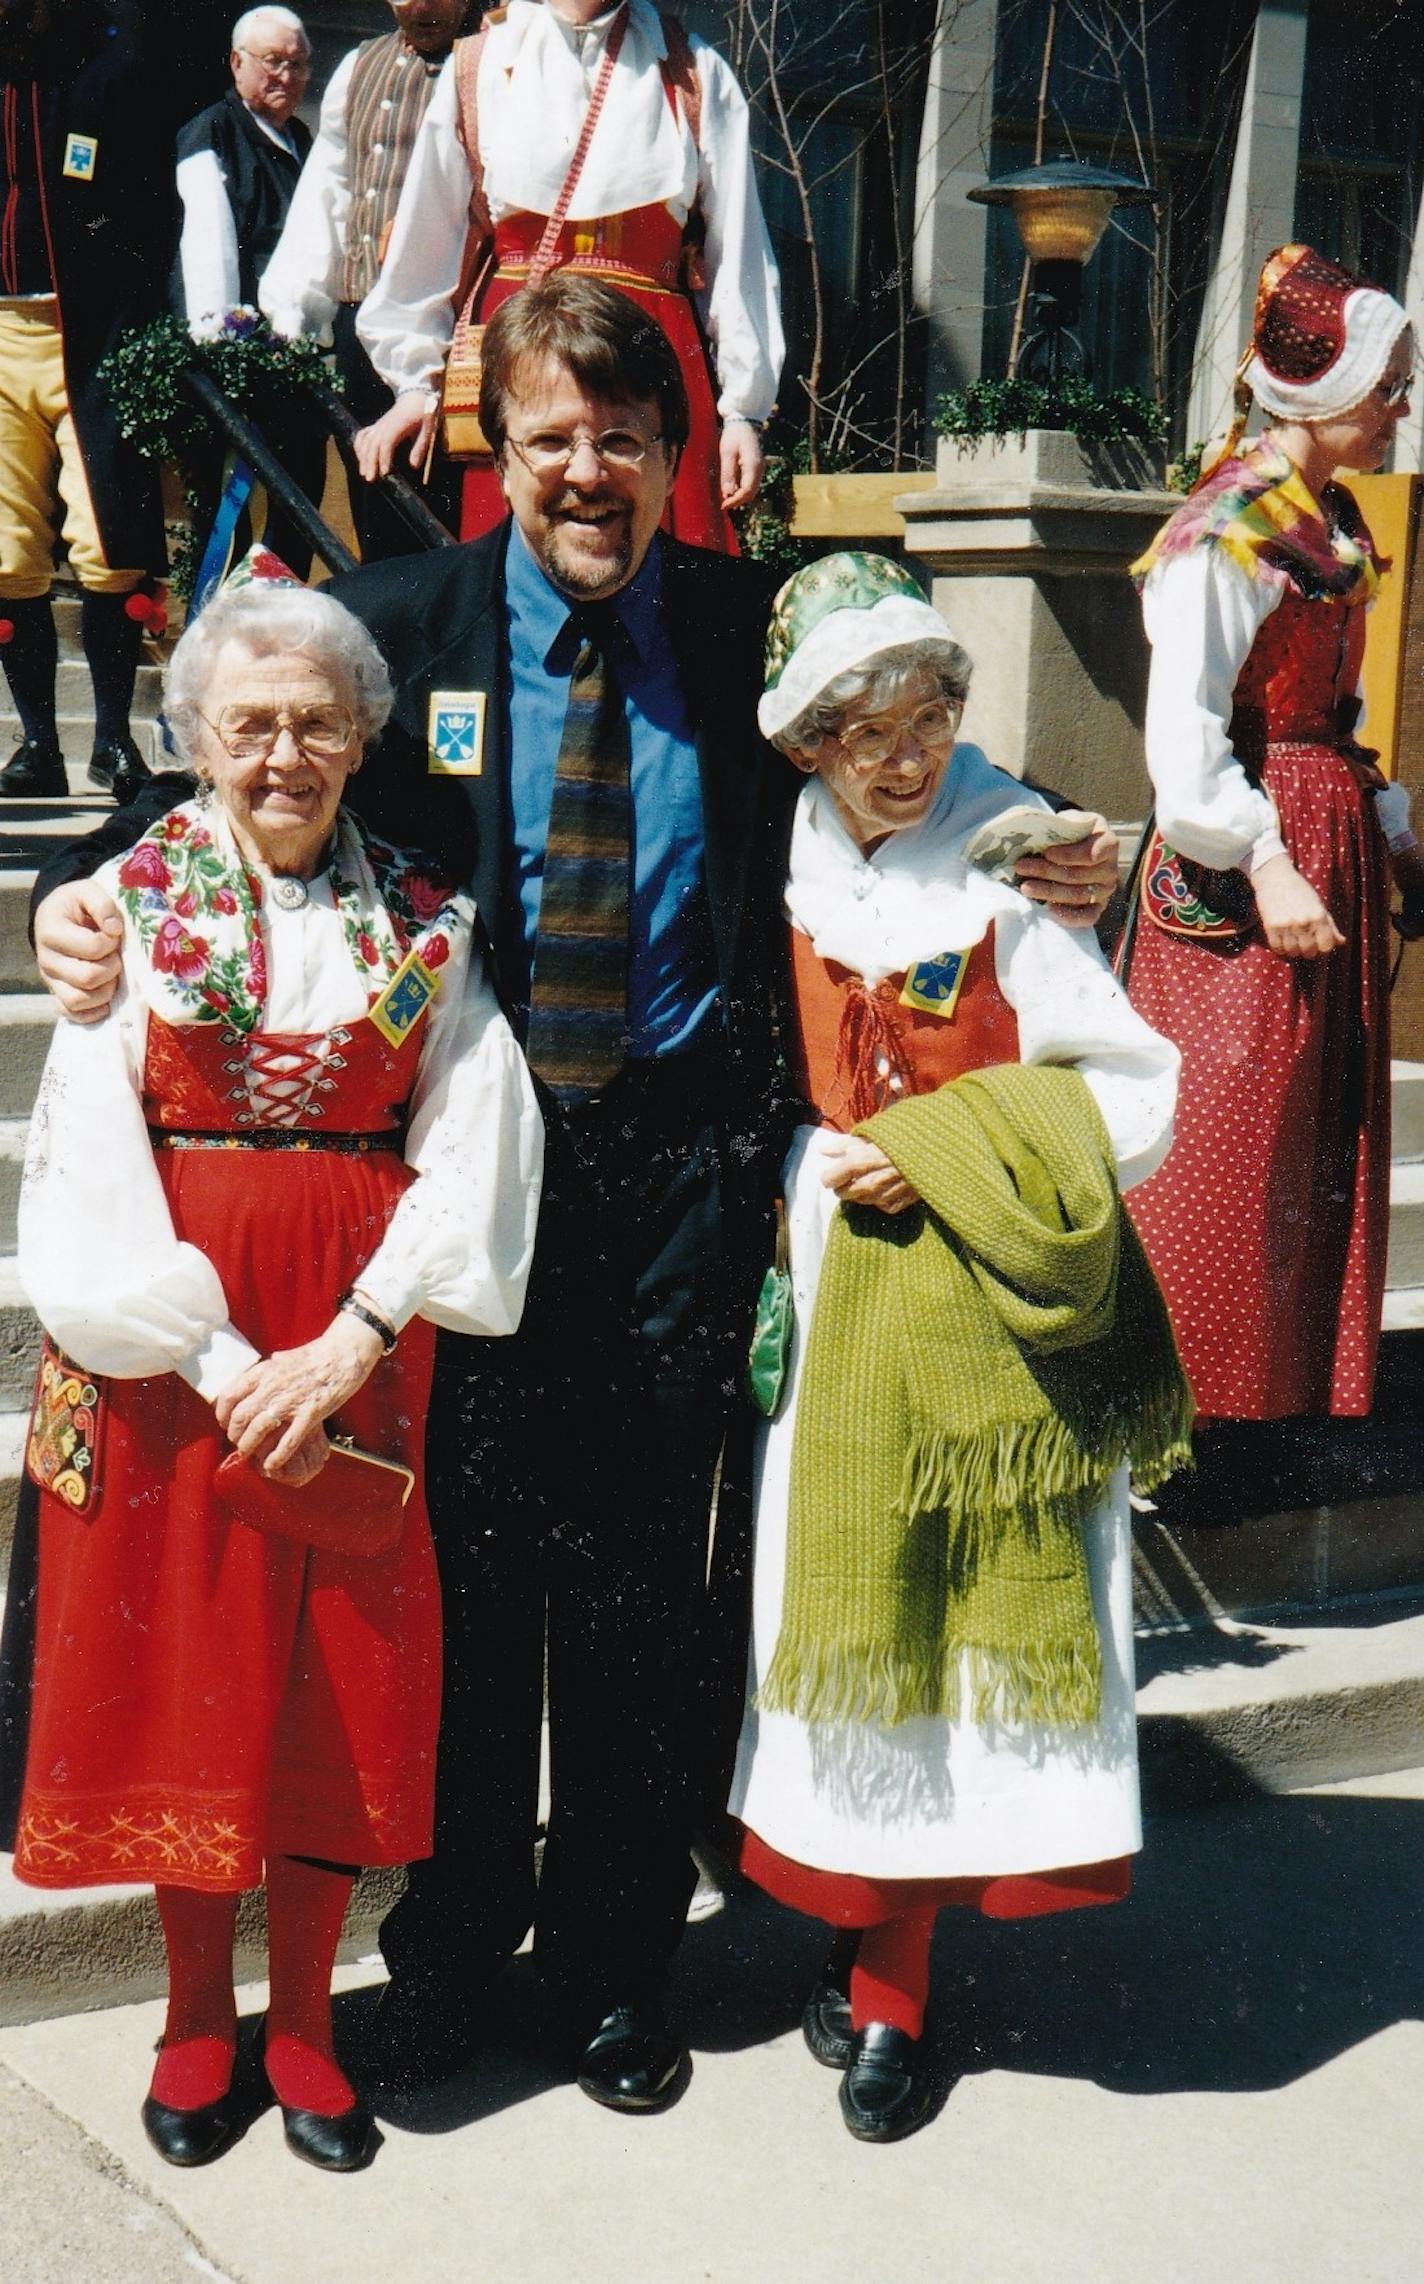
1262, 939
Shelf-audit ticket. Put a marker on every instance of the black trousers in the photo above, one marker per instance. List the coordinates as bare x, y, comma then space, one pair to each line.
380, 531
570, 1475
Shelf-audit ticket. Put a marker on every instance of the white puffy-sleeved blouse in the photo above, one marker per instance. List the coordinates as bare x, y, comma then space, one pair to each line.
121, 1294
536, 77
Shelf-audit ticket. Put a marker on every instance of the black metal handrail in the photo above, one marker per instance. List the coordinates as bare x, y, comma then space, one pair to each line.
249, 440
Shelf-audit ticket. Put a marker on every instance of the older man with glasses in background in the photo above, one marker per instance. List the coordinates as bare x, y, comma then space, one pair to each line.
239, 163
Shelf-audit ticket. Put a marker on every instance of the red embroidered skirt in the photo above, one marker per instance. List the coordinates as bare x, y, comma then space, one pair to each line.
639, 253
205, 1695
1268, 1224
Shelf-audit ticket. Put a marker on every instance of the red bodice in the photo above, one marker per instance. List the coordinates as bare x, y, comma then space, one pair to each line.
1297, 687
855, 1049
640, 247
206, 1078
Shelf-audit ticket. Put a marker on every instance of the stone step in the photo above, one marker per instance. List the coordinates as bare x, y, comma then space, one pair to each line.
1237, 1708
12, 1460
1405, 1265
12, 1158
19, 1341
1406, 1087
76, 739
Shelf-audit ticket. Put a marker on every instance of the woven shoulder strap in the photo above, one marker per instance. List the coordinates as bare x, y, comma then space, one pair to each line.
469, 54
679, 69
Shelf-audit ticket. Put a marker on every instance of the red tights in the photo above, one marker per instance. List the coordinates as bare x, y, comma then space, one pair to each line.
306, 1903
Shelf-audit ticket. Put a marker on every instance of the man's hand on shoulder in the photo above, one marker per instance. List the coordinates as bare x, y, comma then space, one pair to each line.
78, 935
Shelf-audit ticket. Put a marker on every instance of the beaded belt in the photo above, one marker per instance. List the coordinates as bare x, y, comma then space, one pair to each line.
596, 265
272, 1138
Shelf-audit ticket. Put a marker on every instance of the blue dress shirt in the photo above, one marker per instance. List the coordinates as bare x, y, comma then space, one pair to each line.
672, 984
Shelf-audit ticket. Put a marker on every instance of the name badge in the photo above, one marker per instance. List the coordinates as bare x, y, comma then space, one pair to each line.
404, 1000
81, 154
455, 736
932, 986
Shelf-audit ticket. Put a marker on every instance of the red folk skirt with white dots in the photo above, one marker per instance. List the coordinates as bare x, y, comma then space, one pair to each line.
1268, 1224
640, 253
205, 1695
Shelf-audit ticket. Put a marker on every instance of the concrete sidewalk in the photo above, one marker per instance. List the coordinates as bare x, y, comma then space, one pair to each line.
1221, 2082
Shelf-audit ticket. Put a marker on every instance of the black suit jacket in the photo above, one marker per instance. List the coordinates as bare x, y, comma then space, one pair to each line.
440, 621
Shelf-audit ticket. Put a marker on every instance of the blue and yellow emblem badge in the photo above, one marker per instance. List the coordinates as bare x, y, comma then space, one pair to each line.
81, 156
932, 985
404, 1000
455, 733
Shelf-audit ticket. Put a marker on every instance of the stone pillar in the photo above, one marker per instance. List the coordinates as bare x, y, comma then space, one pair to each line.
1260, 208
949, 245
1027, 541
1409, 436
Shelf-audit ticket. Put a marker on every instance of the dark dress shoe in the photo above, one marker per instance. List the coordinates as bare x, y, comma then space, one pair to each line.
34, 770
192, 2137
418, 2036
116, 766
340, 2144
882, 2096
826, 2025
633, 2061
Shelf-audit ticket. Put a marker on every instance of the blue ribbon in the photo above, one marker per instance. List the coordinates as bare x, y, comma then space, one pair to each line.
237, 488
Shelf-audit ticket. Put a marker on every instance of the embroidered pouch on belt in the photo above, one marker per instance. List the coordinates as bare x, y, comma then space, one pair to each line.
63, 1449
1186, 899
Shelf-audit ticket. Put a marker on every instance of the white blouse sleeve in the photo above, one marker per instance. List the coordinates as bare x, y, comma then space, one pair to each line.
301, 285
460, 1242
1202, 615
741, 306
207, 250
1071, 1010
407, 318
104, 1271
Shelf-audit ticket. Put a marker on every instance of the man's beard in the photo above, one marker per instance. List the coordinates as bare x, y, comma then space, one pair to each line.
580, 577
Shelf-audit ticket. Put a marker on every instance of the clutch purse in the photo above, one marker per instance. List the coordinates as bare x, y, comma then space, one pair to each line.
461, 433
355, 1506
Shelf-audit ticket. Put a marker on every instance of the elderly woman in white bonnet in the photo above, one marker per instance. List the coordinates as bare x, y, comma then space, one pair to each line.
1263, 942
940, 1698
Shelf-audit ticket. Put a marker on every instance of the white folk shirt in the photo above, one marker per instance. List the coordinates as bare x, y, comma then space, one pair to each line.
536, 76
99, 1259
1202, 613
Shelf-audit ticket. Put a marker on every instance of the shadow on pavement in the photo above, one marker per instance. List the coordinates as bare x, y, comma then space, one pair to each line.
1263, 1938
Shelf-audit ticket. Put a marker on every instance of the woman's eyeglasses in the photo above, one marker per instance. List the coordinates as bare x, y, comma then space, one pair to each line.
867, 744
547, 452
1392, 393
249, 733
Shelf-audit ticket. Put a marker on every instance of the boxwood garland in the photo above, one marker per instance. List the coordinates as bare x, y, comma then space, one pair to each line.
1009, 406
250, 363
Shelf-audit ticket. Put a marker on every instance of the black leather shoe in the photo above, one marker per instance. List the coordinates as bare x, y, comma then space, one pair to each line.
633, 2061
418, 2036
826, 2025
882, 2096
192, 2137
340, 2144
34, 771
116, 766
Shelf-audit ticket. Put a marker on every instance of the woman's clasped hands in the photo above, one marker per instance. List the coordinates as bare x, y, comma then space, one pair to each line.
275, 1412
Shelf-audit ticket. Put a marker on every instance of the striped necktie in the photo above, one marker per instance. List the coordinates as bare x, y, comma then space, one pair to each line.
578, 996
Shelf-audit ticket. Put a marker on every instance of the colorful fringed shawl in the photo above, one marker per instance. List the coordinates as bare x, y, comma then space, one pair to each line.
976, 1369
1258, 508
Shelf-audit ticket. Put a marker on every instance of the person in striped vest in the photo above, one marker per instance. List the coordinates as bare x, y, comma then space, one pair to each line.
331, 248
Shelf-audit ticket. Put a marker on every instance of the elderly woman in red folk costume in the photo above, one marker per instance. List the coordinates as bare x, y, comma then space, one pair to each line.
302, 1138
1262, 940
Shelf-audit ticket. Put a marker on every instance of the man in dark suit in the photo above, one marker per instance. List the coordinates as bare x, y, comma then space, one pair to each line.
571, 1479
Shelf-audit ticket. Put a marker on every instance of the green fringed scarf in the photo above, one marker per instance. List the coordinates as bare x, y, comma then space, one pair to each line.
976, 1369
